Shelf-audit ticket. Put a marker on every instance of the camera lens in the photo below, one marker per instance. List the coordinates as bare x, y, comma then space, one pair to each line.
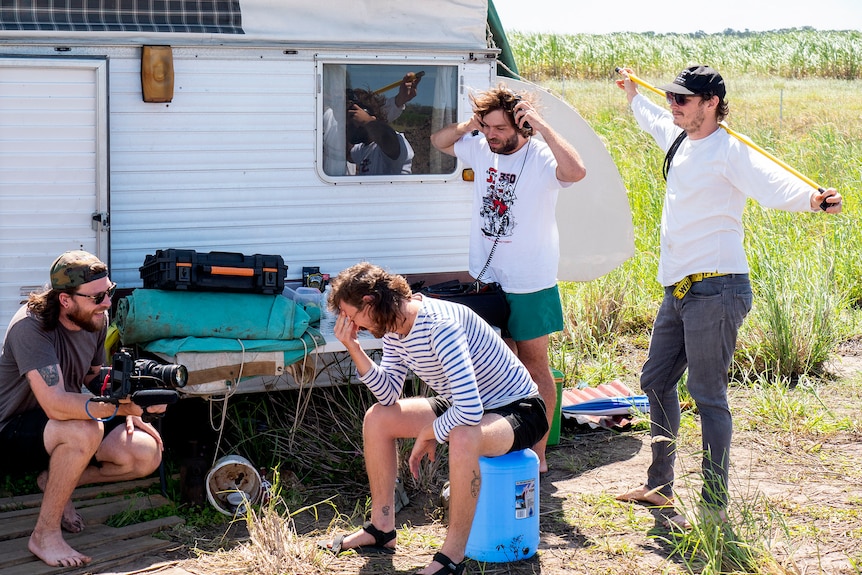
170, 375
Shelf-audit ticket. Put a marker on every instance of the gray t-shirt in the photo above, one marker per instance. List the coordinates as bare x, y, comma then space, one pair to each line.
29, 346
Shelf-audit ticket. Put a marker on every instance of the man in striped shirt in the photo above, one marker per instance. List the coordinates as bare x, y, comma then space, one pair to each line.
486, 402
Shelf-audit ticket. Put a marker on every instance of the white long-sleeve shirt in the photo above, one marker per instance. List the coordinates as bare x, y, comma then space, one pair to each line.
458, 355
707, 186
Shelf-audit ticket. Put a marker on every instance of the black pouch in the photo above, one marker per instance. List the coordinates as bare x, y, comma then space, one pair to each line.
487, 300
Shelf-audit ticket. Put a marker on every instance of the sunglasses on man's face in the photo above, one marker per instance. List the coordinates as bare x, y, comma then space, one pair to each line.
678, 99
100, 297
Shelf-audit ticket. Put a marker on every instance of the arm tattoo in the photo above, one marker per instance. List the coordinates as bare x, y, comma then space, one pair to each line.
475, 484
50, 374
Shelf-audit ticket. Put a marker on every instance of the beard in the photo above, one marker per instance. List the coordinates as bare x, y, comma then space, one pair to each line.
505, 147
91, 322
693, 122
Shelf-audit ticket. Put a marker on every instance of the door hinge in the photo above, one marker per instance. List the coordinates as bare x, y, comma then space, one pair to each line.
101, 222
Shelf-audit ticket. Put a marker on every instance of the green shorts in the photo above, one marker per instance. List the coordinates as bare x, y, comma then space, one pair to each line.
533, 315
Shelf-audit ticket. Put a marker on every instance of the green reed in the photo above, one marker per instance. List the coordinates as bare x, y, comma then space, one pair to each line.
800, 53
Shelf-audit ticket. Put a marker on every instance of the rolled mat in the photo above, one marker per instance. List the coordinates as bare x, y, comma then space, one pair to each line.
150, 314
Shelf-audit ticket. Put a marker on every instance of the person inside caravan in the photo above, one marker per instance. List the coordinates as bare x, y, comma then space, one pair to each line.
486, 404
513, 231
54, 347
373, 146
334, 156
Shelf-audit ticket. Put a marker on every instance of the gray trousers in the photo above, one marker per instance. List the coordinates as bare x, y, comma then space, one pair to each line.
698, 333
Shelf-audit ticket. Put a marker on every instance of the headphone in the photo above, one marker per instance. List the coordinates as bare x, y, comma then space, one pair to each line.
526, 130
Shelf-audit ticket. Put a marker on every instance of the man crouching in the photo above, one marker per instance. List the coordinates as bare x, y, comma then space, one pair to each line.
54, 346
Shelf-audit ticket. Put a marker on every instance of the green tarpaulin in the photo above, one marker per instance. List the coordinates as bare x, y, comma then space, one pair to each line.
149, 314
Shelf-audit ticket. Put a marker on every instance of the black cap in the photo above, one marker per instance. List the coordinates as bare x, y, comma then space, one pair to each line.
697, 80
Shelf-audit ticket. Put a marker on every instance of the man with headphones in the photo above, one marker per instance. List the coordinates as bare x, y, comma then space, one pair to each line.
513, 230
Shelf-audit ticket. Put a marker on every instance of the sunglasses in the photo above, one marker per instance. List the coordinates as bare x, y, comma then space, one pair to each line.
679, 99
100, 297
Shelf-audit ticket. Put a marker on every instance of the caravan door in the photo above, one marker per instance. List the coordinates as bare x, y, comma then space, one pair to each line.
53, 168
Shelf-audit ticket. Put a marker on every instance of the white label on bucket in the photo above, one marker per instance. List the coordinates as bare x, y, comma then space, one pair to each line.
525, 499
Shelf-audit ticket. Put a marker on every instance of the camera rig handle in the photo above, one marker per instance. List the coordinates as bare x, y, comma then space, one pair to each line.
148, 397
145, 398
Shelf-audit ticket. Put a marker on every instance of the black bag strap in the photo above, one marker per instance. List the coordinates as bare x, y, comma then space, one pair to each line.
671, 152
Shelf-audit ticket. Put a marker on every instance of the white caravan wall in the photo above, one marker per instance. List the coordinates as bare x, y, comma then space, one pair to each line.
53, 173
228, 165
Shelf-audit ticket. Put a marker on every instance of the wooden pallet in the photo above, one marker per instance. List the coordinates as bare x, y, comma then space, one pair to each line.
108, 546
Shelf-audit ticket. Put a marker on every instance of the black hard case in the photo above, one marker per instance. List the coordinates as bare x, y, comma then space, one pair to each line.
175, 269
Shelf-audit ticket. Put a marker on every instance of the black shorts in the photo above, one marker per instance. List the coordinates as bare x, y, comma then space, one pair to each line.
24, 444
526, 416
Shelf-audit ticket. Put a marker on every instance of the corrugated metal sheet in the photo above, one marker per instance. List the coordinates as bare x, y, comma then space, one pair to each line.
52, 132
228, 165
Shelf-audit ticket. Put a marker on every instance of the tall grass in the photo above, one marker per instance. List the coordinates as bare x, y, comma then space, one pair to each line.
800, 53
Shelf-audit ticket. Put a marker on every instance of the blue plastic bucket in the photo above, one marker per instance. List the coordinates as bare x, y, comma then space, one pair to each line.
506, 524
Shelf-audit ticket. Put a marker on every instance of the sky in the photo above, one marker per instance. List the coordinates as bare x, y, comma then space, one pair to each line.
606, 16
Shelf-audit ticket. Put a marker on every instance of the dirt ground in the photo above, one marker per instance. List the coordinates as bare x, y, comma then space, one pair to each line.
801, 493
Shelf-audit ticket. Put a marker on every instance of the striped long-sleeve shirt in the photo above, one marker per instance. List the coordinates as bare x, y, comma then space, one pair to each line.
460, 357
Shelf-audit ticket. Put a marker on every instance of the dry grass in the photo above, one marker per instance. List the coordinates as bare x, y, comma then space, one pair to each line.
795, 503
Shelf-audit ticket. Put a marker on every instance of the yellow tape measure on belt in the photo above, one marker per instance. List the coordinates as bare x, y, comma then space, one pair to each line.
681, 287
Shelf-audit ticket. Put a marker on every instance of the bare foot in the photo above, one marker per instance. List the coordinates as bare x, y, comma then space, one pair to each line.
54, 551
708, 516
677, 521
72, 521
643, 495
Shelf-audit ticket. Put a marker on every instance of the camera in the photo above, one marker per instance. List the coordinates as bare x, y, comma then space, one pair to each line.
354, 97
144, 382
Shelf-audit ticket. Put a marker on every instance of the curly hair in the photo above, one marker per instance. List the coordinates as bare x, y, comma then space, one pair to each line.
388, 292
372, 103
501, 98
722, 110
46, 306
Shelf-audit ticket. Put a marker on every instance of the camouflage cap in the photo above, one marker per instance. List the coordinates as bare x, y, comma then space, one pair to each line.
75, 268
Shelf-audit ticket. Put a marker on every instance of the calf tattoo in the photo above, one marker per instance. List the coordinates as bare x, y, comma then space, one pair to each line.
475, 484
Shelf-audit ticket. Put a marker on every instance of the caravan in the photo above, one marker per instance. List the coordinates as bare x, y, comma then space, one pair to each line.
141, 128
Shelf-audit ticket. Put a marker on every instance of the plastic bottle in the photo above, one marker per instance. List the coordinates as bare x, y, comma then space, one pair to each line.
324, 303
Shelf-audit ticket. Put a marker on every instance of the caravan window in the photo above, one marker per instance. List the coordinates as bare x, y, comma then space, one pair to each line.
371, 126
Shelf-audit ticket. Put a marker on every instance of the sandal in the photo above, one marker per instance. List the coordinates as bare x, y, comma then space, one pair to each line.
449, 567
380, 540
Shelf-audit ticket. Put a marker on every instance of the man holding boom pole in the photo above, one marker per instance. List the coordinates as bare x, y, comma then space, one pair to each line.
703, 269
